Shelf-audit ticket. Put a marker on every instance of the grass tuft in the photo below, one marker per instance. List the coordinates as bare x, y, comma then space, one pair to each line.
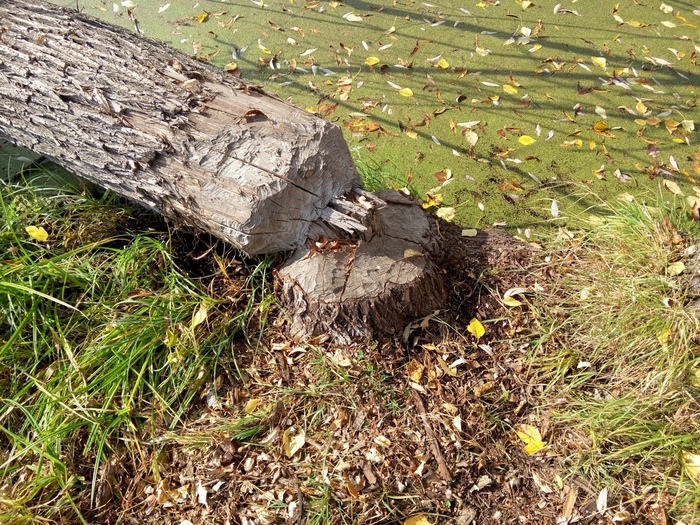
618, 350
102, 336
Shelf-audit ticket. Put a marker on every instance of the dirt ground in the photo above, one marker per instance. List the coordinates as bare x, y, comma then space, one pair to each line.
419, 428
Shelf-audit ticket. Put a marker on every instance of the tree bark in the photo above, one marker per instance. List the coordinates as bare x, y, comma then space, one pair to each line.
173, 133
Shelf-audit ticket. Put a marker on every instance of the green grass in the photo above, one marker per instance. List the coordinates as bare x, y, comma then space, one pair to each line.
618, 350
102, 336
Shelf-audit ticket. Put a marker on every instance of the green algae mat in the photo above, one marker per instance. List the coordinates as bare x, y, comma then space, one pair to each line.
514, 113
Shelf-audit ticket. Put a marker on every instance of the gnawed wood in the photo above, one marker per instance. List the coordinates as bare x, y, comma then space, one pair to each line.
172, 133
207, 150
365, 288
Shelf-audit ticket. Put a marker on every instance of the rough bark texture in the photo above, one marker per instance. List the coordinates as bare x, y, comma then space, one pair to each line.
207, 150
172, 133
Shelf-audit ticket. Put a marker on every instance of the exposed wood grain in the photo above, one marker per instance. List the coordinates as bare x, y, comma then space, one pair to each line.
364, 288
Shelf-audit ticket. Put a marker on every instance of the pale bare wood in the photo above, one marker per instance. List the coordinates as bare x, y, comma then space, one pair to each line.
367, 287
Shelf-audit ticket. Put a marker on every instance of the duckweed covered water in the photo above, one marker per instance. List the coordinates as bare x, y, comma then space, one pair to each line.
510, 113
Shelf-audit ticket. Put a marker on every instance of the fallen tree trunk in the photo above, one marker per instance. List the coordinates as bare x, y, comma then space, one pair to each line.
170, 132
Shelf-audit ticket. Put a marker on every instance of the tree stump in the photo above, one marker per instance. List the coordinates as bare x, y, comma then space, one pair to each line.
362, 288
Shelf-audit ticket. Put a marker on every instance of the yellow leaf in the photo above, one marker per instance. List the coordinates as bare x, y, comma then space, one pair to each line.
599, 61
641, 108
675, 268
625, 197
202, 18
511, 301
371, 61
672, 187
410, 252
433, 199
263, 48
411, 134
472, 138
231, 67
531, 437
442, 63
509, 89
251, 406
476, 328
634, 23
415, 370
417, 519
446, 367
600, 126
292, 443
664, 337
526, 140
447, 213
691, 466
38, 234
406, 92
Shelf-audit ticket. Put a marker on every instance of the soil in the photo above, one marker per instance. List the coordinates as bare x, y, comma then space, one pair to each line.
372, 432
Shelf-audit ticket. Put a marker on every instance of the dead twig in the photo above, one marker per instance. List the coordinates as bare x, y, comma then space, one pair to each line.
443, 469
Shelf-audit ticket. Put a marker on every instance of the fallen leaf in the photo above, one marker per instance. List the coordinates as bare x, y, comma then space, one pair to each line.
199, 316
292, 442
447, 213
442, 63
471, 136
415, 370
554, 209
511, 301
38, 234
602, 501
443, 175
382, 441
433, 199
599, 61
406, 92
417, 519
476, 328
672, 187
675, 268
691, 466
371, 61
526, 140
531, 437
410, 252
